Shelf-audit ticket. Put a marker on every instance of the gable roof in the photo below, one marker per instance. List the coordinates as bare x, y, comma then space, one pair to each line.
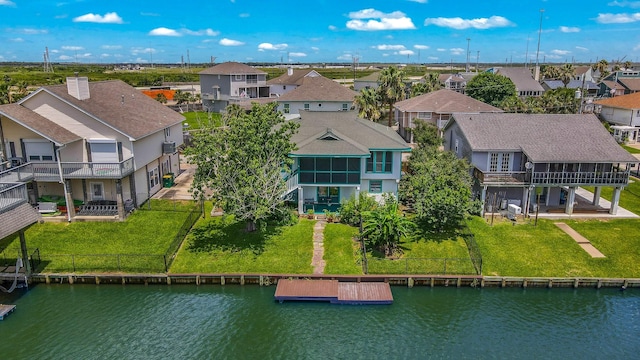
630, 101
581, 69
230, 68
319, 89
121, 107
632, 84
444, 101
342, 133
38, 124
521, 77
294, 79
573, 84
454, 77
543, 137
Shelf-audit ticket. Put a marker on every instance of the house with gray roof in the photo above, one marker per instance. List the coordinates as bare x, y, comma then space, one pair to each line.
288, 81
516, 156
370, 81
522, 78
435, 107
317, 93
231, 83
619, 83
339, 155
103, 144
454, 82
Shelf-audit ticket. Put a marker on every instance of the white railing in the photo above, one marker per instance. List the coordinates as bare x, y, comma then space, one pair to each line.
12, 195
292, 182
17, 174
49, 171
581, 178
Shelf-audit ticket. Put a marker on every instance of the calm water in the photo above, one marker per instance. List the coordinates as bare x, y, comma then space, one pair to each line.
234, 322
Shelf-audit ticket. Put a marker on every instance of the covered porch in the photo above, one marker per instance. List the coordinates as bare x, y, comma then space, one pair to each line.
625, 134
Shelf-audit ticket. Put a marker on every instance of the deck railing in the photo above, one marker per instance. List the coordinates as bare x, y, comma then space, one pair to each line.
49, 171
16, 174
507, 177
292, 181
12, 195
581, 178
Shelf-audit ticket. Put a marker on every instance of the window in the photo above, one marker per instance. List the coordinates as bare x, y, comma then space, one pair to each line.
154, 178
238, 77
375, 186
345, 107
505, 162
424, 115
500, 162
380, 162
329, 170
306, 107
286, 108
493, 165
97, 190
38, 150
329, 194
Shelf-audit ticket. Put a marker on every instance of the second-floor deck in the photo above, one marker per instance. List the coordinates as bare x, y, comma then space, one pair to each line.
50, 171
541, 178
12, 195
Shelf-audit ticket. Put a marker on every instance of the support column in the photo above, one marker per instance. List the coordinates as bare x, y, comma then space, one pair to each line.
526, 196
71, 209
571, 198
483, 199
25, 254
615, 200
119, 199
596, 196
132, 190
300, 200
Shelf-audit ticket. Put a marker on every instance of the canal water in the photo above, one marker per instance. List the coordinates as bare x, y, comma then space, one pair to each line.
244, 322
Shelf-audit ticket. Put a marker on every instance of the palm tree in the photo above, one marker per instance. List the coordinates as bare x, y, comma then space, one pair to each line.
602, 67
384, 227
368, 104
391, 88
566, 73
418, 89
550, 72
432, 80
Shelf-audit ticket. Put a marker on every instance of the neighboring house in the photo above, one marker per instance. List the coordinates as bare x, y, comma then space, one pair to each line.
338, 155
525, 84
101, 143
623, 112
367, 82
590, 88
620, 83
317, 94
435, 107
453, 82
288, 81
515, 156
231, 83
586, 73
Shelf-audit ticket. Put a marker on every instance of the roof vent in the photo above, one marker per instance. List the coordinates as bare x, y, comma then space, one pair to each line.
329, 135
78, 87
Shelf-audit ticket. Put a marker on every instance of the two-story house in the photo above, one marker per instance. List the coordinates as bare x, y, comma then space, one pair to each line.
317, 93
339, 155
288, 81
619, 83
454, 82
623, 114
96, 143
435, 107
370, 81
524, 158
522, 78
231, 83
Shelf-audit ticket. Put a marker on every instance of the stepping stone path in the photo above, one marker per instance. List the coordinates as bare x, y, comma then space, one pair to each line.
581, 240
318, 247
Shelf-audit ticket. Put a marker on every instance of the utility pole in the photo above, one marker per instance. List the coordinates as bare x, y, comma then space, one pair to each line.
537, 73
477, 60
468, 54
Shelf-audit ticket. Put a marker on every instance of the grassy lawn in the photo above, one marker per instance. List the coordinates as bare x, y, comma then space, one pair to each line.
340, 250
221, 245
198, 119
146, 234
631, 149
629, 197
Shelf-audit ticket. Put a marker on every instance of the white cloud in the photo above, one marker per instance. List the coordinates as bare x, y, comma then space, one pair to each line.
269, 46
560, 52
244, 15
432, 58
461, 24
617, 18
457, 51
163, 31
138, 50
71, 48
297, 54
111, 47
65, 57
389, 47
18, 39
207, 32
377, 20
441, 49
582, 48
105, 55
229, 42
7, 3
405, 52
631, 4
419, 1
345, 57
315, 48
420, 47
332, 28
568, 29
30, 31
108, 18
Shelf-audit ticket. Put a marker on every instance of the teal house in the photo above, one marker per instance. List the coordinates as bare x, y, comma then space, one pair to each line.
339, 155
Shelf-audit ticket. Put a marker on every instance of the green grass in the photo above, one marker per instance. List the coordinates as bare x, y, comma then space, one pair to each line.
629, 197
340, 250
146, 234
632, 150
221, 245
199, 119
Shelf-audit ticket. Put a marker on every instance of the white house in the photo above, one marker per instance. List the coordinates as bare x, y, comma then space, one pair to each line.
317, 94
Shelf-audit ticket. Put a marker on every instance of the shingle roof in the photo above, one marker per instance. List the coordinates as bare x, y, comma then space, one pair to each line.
354, 136
630, 101
543, 137
573, 84
521, 77
631, 84
122, 107
17, 219
294, 79
319, 89
444, 101
612, 85
38, 124
579, 70
230, 68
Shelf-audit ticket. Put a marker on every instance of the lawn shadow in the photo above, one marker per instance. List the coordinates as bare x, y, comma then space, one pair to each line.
227, 235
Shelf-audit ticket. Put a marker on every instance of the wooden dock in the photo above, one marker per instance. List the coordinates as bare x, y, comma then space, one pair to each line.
335, 292
6, 310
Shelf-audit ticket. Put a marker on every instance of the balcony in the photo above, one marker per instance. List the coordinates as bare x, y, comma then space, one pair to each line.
12, 195
584, 178
17, 174
49, 171
500, 178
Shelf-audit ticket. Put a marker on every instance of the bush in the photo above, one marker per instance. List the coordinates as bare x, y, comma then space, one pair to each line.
351, 209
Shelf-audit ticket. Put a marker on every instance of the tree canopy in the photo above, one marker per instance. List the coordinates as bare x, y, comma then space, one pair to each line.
242, 162
391, 88
490, 88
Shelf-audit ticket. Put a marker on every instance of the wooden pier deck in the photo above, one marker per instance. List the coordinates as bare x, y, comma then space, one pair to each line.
335, 292
5, 310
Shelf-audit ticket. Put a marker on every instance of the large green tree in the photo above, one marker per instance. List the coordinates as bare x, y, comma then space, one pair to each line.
392, 88
241, 163
368, 104
437, 187
490, 88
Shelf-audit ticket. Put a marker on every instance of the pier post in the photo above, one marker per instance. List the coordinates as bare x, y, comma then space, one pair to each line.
459, 282
97, 280
221, 280
241, 279
576, 282
168, 280
599, 284
550, 283
70, 277
198, 280
432, 282
410, 282
524, 283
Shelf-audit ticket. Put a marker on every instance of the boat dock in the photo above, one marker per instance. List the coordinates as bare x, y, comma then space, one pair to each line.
6, 310
335, 292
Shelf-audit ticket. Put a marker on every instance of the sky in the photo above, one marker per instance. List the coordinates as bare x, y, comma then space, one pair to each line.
320, 31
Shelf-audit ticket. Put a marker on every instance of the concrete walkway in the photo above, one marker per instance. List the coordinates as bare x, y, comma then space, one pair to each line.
581, 240
182, 184
318, 262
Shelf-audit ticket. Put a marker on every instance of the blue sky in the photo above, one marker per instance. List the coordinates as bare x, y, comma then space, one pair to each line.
390, 31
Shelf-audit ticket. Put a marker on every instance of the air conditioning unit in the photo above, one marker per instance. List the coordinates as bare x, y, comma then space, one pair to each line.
169, 147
